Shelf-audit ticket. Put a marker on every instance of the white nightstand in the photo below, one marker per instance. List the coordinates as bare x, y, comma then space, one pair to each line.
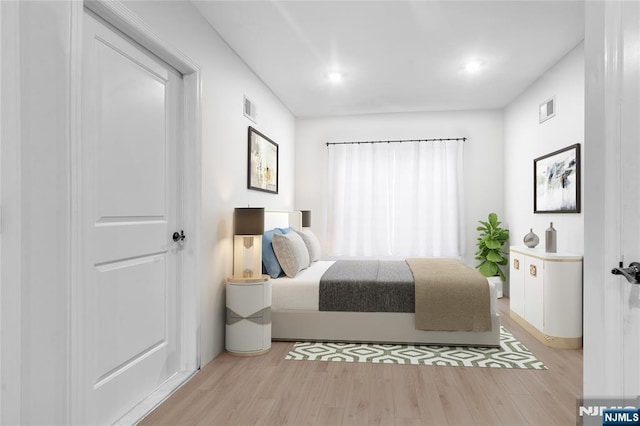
248, 325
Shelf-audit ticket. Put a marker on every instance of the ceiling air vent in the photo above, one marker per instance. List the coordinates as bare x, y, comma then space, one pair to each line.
249, 109
547, 109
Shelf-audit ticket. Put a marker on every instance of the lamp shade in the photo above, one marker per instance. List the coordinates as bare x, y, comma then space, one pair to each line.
248, 221
306, 218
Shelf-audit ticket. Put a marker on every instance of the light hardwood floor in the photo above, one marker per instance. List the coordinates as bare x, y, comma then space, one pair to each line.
269, 390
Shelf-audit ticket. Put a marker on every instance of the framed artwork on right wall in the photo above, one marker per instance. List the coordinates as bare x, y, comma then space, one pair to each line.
556, 181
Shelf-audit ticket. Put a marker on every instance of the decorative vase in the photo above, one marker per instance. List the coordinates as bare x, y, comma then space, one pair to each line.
550, 239
531, 240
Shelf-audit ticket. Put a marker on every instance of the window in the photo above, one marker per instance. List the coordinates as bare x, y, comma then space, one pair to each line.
396, 199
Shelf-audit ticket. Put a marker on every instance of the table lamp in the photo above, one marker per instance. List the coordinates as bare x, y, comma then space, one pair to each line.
248, 227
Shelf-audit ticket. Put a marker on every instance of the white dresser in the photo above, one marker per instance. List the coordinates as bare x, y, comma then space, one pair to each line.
248, 324
546, 295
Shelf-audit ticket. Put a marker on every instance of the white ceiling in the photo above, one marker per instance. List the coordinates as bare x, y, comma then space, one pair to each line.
396, 56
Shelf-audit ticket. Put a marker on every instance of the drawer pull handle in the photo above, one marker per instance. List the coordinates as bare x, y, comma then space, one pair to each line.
533, 271
516, 264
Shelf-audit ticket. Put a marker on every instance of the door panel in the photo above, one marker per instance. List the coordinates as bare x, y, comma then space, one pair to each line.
122, 293
129, 198
131, 122
113, 239
562, 299
534, 292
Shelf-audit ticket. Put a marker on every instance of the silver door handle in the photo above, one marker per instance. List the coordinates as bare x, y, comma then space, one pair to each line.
631, 273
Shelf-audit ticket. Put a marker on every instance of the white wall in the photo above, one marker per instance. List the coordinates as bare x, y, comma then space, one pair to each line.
483, 157
525, 138
43, 370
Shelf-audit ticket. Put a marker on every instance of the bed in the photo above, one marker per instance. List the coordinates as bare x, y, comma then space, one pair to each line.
295, 312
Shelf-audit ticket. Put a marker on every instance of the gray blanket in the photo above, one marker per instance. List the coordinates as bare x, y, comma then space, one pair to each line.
368, 286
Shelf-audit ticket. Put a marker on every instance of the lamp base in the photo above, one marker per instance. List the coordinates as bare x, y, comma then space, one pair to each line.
247, 256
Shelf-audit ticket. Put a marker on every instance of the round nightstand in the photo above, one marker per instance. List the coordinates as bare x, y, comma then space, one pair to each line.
248, 325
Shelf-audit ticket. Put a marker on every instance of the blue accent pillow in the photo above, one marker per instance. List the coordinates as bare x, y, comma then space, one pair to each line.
285, 230
269, 261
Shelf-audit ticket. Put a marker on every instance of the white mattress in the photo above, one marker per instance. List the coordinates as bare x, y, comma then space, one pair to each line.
302, 291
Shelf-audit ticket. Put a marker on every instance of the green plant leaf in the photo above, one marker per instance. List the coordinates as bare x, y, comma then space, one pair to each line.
502, 277
492, 244
494, 256
488, 269
493, 219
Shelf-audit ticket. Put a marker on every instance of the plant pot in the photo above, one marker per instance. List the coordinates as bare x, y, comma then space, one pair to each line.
498, 283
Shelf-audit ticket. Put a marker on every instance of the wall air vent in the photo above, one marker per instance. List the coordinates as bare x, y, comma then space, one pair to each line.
547, 109
249, 109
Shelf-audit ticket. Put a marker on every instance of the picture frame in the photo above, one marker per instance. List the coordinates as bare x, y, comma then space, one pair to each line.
556, 181
262, 162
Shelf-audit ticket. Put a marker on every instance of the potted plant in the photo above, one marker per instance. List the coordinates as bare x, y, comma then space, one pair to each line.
490, 252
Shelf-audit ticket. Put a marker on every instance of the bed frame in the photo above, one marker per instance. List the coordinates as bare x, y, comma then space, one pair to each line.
379, 327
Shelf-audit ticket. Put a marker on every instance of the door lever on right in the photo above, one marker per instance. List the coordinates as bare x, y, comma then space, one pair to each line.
631, 273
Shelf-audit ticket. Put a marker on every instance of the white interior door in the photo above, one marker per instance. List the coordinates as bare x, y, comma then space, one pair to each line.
130, 202
630, 195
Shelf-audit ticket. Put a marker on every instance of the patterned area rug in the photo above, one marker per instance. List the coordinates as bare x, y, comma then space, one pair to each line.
510, 354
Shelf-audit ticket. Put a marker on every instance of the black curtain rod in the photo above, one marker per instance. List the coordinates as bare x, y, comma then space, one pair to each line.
400, 141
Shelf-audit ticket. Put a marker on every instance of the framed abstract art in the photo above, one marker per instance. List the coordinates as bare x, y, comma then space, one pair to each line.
556, 181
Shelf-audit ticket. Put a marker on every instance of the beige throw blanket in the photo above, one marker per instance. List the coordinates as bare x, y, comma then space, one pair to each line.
450, 296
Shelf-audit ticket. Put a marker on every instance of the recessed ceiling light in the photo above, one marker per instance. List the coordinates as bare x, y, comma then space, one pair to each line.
334, 77
473, 66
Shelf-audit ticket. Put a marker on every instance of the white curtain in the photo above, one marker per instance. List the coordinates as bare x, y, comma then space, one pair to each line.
396, 199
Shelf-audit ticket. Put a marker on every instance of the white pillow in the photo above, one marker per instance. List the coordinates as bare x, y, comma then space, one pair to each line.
312, 243
291, 252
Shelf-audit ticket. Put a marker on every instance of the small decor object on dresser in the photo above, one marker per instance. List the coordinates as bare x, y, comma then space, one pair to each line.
550, 239
531, 240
